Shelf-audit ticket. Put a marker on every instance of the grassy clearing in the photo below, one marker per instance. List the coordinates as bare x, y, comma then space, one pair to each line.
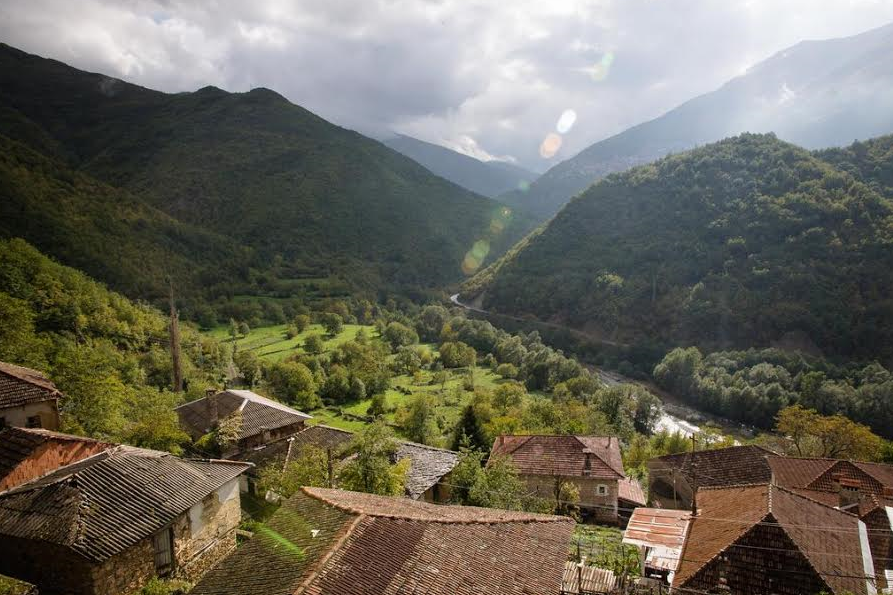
271, 344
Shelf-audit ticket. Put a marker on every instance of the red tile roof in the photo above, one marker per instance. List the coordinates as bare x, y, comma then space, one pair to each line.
795, 532
562, 455
630, 489
20, 386
734, 465
332, 542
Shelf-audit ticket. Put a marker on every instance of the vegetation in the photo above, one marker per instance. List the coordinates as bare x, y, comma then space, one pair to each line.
306, 201
104, 352
691, 248
753, 386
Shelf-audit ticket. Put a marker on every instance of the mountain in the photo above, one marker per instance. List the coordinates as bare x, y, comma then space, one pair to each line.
308, 199
745, 242
488, 178
815, 94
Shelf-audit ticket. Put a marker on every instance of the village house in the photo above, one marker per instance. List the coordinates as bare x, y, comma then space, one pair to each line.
106, 524
767, 539
591, 463
257, 420
429, 470
28, 399
334, 542
28, 453
672, 479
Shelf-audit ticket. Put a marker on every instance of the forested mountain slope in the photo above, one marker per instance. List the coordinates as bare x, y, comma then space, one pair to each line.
743, 242
816, 94
309, 196
488, 178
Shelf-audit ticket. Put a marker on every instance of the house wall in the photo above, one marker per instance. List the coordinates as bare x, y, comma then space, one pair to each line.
602, 508
49, 456
18, 416
269, 436
202, 537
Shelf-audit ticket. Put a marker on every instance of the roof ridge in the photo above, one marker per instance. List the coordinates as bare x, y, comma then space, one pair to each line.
752, 484
330, 553
425, 446
525, 517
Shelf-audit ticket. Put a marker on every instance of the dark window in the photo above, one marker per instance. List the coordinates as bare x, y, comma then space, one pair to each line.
34, 422
164, 558
2, 422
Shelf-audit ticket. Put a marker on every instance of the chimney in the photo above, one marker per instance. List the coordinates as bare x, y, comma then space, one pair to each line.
211, 403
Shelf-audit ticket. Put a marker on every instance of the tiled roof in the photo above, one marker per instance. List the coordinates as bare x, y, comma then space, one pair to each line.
331, 542
819, 474
17, 444
319, 435
735, 465
428, 465
258, 413
562, 455
630, 489
828, 538
20, 386
103, 504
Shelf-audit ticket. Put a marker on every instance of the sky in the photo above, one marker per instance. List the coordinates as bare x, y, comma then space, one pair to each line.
495, 79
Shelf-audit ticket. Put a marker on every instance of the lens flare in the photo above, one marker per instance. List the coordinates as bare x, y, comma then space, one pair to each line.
523, 185
550, 145
600, 70
475, 257
566, 121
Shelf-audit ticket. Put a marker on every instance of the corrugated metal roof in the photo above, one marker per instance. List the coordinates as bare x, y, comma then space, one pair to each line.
258, 413
102, 505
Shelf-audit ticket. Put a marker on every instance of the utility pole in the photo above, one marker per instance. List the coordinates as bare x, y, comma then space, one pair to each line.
177, 371
694, 478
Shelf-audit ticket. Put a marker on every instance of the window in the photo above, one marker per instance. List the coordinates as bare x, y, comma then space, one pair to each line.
33, 421
163, 542
602, 490
2, 422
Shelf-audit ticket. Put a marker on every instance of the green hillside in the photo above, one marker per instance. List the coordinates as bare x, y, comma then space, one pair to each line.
743, 242
311, 199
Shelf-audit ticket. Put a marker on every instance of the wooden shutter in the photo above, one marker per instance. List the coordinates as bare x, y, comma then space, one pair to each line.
164, 557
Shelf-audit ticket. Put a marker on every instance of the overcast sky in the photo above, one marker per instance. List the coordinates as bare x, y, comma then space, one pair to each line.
489, 77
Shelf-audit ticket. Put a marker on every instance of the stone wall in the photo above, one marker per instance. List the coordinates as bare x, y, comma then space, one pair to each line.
207, 532
595, 506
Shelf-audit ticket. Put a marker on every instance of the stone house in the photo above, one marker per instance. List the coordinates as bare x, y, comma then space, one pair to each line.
26, 453
672, 479
27, 398
592, 463
429, 469
767, 539
335, 542
259, 420
106, 524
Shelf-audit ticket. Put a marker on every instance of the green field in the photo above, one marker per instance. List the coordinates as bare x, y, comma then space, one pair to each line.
271, 344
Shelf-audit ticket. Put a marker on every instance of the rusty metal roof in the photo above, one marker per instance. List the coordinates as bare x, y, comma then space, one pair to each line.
662, 531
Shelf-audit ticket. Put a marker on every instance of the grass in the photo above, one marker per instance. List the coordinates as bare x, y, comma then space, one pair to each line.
271, 344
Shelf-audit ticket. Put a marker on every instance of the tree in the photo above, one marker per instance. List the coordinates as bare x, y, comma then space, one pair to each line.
301, 322
648, 410
832, 436
456, 354
314, 344
399, 335
418, 420
508, 395
469, 431
153, 423
440, 377
371, 470
333, 323
467, 472
509, 371
311, 468
293, 382
498, 487
244, 329
407, 361
249, 366
227, 431
233, 330
378, 406
431, 321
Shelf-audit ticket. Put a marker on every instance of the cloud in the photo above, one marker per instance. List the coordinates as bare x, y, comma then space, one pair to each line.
487, 77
